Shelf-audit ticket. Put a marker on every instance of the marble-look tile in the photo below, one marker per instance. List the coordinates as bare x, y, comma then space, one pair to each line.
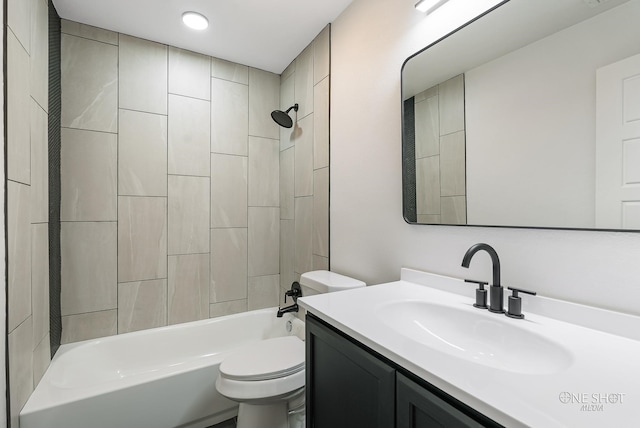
264, 160
228, 191
142, 238
304, 158
453, 164
454, 210
40, 279
142, 154
320, 262
89, 258
451, 96
89, 32
287, 163
142, 305
189, 136
264, 292
39, 165
188, 214
429, 218
20, 354
287, 253
88, 176
288, 72
321, 212
427, 127
18, 254
264, 97
304, 234
227, 308
264, 241
287, 99
321, 52
304, 82
89, 84
41, 359
321, 124
189, 73
142, 75
228, 265
230, 71
229, 117
39, 53
188, 282
18, 111
427, 93
19, 20
428, 185
89, 326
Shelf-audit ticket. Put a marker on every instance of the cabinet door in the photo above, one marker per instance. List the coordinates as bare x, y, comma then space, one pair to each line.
347, 387
419, 408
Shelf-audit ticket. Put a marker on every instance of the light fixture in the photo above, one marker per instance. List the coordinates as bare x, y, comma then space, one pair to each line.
429, 6
195, 20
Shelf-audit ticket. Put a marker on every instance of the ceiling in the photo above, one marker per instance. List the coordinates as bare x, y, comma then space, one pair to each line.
265, 34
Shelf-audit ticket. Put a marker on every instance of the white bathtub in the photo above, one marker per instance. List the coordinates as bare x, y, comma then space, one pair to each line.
163, 377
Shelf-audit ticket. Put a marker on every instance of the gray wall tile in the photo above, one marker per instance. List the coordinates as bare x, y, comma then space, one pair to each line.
189, 73
321, 124
304, 82
21, 366
19, 20
428, 189
39, 53
142, 305
264, 292
18, 113
142, 154
320, 263
189, 136
188, 282
89, 84
264, 97
287, 99
229, 117
40, 280
188, 214
39, 165
451, 96
41, 358
454, 210
89, 326
321, 212
228, 191
264, 238
453, 164
304, 233
227, 308
88, 176
304, 158
287, 253
321, 59
142, 75
18, 254
287, 164
228, 265
89, 32
427, 127
264, 160
89, 269
142, 238
231, 71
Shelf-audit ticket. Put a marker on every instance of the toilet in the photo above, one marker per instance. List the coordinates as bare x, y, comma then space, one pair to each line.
267, 378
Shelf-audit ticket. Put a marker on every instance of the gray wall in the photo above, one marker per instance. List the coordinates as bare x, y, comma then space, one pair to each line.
27, 198
172, 183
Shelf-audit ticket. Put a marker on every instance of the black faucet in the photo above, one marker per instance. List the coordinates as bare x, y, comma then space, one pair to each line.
496, 293
294, 292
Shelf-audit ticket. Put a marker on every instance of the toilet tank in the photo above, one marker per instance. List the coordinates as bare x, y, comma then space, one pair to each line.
323, 281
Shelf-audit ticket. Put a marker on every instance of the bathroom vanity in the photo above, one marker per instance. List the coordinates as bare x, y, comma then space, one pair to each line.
416, 353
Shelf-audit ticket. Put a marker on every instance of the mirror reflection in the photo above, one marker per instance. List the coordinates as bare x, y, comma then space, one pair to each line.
527, 117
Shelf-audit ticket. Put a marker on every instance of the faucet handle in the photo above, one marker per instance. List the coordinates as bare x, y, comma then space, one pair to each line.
294, 292
481, 293
515, 302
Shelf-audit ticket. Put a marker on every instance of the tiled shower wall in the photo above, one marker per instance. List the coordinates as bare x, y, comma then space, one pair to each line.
171, 183
27, 197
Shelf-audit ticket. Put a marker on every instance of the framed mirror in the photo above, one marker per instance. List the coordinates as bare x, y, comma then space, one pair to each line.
528, 116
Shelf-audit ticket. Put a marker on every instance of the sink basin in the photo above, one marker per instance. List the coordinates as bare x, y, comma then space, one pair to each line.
475, 335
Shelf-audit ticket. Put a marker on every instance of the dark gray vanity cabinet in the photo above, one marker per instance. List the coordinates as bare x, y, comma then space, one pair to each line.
349, 385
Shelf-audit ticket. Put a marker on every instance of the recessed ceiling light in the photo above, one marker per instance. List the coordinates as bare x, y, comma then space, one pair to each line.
195, 20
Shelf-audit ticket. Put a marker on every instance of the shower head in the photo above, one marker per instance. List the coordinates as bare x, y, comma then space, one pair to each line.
282, 118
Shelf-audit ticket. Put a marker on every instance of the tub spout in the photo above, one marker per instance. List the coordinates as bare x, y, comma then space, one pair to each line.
292, 308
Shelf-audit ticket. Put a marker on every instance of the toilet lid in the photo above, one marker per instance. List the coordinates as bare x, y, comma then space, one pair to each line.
267, 359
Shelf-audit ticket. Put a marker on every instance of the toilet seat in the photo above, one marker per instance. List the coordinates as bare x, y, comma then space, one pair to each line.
265, 360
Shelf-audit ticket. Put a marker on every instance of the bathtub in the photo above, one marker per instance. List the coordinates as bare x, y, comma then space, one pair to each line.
162, 377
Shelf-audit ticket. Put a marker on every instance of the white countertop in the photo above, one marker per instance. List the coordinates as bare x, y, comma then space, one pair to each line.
598, 386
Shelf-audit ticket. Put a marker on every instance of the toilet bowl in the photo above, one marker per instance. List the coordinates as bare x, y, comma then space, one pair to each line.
267, 378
